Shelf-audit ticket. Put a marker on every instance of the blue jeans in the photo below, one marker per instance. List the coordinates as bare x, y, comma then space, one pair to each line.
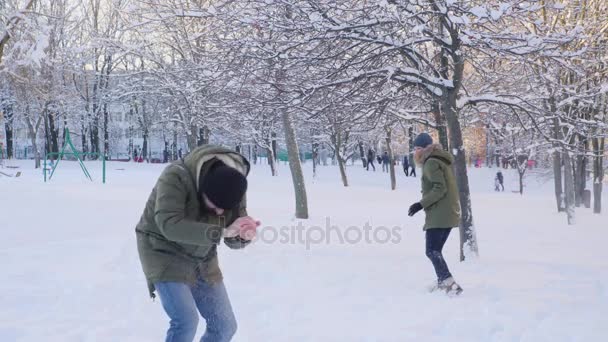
435, 239
181, 303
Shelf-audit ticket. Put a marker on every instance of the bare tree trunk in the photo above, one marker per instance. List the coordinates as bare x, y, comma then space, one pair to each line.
192, 137
144, 148
33, 130
336, 139
557, 179
598, 173
54, 133
362, 154
391, 158
569, 187
468, 239
295, 166
272, 161
203, 135
442, 129
83, 137
8, 129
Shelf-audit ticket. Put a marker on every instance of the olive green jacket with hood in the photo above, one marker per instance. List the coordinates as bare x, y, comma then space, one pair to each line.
439, 189
177, 236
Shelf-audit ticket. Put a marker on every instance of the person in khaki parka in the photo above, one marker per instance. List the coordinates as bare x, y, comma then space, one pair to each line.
440, 203
196, 202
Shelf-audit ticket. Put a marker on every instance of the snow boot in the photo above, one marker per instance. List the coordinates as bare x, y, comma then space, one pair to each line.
450, 287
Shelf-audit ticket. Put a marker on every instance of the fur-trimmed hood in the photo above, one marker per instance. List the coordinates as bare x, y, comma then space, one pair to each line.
436, 151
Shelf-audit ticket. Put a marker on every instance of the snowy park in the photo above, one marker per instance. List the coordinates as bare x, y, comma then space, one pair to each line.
71, 270
303, 170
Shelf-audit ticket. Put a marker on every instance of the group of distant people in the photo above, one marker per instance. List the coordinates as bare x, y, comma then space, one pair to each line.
409, 167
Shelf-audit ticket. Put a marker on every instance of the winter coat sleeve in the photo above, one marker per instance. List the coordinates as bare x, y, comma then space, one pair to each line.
432, 170
237, 242
170, 217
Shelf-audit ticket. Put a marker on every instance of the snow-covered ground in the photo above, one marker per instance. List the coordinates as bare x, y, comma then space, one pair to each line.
70, 270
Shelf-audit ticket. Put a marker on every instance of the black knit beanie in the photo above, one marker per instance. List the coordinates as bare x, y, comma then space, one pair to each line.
224, 186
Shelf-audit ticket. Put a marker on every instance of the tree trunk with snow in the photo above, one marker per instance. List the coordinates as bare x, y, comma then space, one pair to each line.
336, 140
272, 161
33, 132
569, 187
581, 172
598, 173
8, 129
391, 158
468, 239
442, 130
295, 166
557, 180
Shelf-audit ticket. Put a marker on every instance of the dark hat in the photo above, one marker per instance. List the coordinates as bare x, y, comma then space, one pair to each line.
224, 186
423, 140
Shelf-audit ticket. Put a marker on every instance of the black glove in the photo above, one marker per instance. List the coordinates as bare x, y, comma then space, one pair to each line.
414, 208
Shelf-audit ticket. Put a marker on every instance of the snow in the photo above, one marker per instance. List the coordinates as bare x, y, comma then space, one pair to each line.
71, 271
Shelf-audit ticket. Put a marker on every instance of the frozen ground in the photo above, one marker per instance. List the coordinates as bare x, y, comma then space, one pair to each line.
70, 270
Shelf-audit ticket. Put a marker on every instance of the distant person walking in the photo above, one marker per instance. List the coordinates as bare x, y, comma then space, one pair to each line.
370, 159
499, 181
406, 165
385, 162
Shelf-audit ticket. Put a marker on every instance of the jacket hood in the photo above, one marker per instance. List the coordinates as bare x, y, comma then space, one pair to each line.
196, 158
438, 152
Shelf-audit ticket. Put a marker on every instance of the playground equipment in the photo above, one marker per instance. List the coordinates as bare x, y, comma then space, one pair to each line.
77, 155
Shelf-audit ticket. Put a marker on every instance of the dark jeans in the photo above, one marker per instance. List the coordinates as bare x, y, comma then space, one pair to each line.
435, 239
406, 169
413, 172
370, 162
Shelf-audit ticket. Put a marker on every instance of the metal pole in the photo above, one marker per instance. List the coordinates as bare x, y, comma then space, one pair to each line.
103, 177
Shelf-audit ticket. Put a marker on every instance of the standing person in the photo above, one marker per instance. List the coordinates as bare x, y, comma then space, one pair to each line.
406, 166
441, 205
195, 202
412, 165
500, 178
370, 159
385, 161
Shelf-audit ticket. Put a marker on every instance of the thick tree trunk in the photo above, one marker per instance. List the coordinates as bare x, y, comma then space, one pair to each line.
295, 166
272, 161
391, 159
174, 147
362, 154
94, 132
83, 138
336, 139
33, 131
8, 129
468, 239
203, 136
53, 140
144, 149
569, 187
342, 168
275, 151
557, 180
598, 173
192, 138
442, 129
315, 155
